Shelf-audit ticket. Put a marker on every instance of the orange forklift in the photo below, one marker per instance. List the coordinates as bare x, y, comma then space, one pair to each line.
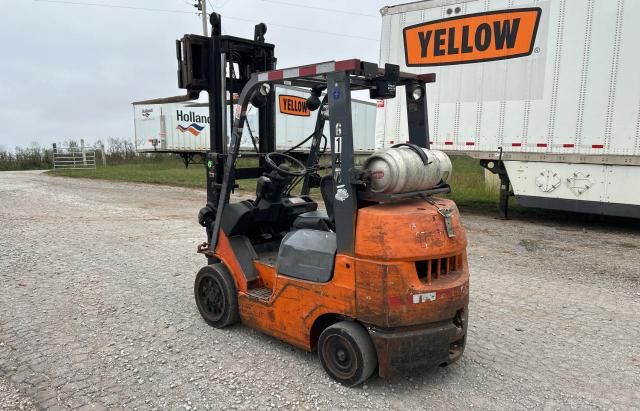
378, 280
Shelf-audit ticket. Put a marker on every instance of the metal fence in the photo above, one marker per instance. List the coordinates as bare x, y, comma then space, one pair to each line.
74, 157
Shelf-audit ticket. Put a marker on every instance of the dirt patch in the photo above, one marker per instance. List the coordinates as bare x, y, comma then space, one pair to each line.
530, 245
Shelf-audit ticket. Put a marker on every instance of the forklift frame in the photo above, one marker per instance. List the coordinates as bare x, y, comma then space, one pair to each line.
382, 304
340, 78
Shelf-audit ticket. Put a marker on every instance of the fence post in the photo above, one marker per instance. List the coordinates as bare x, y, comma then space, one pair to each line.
84, 156
104, 157
53, 154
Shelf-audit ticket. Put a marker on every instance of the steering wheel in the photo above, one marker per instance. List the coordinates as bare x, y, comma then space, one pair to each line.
301, 171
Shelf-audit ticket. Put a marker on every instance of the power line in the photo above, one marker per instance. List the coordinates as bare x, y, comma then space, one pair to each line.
305, 6
115, 6
305, 29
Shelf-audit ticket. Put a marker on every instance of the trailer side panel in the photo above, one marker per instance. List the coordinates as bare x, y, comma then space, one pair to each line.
572, 102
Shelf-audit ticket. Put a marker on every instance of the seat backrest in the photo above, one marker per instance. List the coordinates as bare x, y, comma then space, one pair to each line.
308, 255
326, 189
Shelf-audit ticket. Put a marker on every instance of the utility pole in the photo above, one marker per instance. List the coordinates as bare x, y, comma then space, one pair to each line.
202, 7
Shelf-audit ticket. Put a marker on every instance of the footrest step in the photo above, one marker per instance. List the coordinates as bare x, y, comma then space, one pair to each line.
261, 293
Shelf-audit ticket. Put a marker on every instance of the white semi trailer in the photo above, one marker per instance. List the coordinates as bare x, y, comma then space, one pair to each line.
545, 93
183, 128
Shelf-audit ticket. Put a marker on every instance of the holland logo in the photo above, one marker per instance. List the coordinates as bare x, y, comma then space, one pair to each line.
193, 128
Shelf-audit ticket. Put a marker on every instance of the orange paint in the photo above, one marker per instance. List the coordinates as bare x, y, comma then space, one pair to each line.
394, 241
226, 255
407, 231
398, 278
472, 38
294, 106
295, 305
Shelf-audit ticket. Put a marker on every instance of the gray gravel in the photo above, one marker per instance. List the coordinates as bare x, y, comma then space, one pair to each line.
96, 311
12, 399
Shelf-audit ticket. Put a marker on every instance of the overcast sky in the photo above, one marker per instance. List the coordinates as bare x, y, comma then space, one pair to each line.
71, 71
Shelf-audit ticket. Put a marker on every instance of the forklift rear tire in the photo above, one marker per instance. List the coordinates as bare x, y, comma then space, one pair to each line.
216, 296
347, 353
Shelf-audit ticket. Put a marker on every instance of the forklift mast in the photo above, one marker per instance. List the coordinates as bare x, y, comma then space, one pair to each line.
226, 66
222, 66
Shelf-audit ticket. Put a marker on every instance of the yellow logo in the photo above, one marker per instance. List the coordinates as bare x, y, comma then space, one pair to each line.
472, 38
294, 106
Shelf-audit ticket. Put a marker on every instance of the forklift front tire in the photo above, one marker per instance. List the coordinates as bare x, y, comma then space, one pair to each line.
216, 296
347, 353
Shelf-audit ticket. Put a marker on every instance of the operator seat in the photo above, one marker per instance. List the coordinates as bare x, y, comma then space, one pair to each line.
319, 219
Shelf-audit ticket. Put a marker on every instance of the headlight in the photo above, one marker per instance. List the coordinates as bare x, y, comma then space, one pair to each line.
265, 89
259, 98
313, 103
417, 93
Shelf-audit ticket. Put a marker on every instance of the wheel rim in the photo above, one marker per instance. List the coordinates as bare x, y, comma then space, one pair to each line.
212, 298
340, 357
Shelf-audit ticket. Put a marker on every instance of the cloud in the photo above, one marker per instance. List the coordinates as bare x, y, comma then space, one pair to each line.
72, 71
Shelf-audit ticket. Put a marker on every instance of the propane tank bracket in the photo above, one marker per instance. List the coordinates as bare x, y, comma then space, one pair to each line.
420, 152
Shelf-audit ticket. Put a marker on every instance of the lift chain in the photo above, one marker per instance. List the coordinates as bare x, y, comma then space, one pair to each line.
446, 213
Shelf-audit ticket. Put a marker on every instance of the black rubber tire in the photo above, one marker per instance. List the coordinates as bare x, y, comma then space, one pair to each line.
347, 353
216, 296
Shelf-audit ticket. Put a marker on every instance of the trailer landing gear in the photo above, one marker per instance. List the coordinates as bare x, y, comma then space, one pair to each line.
505, 193
189, 158
497, 167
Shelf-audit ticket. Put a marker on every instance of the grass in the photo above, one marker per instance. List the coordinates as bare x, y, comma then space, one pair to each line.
468, 186
166, 172
469, 190
468, 182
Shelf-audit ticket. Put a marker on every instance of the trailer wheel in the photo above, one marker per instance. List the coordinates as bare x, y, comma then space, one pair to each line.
347, 353
216, 296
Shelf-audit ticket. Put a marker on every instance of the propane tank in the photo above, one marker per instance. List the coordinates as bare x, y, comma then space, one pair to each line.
402, 169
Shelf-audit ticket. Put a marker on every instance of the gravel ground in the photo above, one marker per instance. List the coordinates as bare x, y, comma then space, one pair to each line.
97, 311
12, 399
